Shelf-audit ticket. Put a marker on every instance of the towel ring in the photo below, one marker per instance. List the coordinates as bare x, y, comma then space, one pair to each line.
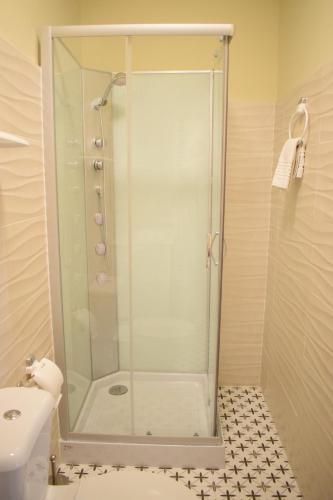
300, 110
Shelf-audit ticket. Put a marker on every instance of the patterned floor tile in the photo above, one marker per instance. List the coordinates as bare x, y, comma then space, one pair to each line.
256, 464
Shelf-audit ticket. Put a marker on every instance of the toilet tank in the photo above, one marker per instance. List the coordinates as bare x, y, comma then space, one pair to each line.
25, 424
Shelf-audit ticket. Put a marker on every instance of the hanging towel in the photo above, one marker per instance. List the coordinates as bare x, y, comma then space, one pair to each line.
285, 164
299, 162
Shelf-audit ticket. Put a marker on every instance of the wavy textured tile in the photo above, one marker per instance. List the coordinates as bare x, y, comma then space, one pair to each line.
22, 182
248, 193
241, 362
20, 94
25, 321
297, 370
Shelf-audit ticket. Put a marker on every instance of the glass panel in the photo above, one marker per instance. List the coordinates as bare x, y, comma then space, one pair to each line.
171, 150
72, 226
170, 189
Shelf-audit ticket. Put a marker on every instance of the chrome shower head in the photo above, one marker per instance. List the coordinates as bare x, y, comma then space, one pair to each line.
119, 79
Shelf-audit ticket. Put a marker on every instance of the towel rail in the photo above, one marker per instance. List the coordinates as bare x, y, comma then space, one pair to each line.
301, 109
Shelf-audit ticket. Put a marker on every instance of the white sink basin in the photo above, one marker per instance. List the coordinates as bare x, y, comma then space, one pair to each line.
124, 485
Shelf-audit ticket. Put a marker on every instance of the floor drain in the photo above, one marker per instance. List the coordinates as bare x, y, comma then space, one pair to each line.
118, 390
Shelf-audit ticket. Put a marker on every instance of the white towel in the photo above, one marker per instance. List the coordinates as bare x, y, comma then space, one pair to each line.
286, 163
300, 162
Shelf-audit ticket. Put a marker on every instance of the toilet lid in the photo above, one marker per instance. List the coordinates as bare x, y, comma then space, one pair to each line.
127, 484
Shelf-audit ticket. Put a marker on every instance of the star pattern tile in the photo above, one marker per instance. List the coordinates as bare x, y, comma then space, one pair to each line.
256, 465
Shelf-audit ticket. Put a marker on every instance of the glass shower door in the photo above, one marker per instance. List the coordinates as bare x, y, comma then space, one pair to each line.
214, 249
170, 170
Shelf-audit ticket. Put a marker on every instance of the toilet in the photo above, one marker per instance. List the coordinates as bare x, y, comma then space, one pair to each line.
25, 427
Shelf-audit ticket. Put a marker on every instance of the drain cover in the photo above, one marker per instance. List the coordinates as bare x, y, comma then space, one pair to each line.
12, 414
118, 390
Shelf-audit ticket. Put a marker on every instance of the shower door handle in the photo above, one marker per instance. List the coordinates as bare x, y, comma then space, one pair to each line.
210, 244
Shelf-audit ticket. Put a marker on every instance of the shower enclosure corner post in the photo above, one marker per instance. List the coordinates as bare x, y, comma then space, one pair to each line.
52, 230
225, 88
129, 69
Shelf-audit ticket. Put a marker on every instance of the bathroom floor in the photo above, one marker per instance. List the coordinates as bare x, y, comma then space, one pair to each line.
256, 464
111, 414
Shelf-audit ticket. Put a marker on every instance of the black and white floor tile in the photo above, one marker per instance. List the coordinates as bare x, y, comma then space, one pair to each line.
256, 466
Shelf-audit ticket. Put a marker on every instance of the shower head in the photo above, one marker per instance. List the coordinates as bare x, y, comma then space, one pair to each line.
119, 79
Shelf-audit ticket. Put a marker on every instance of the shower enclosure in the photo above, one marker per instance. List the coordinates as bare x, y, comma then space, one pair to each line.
135, 129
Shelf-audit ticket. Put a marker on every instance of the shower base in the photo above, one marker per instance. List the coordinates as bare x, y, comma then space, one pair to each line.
168, 405
164, 422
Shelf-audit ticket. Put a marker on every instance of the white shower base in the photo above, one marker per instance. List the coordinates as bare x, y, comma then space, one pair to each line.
162, 404
171, 407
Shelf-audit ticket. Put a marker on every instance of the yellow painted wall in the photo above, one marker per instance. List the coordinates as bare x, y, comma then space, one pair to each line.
277, 45
306, 40
21, 20
254, 49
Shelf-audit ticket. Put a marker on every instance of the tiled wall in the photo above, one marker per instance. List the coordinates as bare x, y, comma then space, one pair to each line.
24, 293
298, 342
248, 192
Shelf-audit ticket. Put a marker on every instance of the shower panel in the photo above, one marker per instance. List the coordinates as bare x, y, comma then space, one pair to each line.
136, 284
100, 226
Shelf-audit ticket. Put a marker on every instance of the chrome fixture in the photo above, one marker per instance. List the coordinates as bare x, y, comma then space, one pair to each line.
12, 414
98, 165
98, 142
56, 479
303, 100
210, 243
99, 191
118, 390
53, 462
100, 248
300, 112
30, 360
98, 217
120, 80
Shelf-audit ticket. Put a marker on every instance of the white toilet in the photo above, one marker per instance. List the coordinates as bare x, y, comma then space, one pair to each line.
25, 423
